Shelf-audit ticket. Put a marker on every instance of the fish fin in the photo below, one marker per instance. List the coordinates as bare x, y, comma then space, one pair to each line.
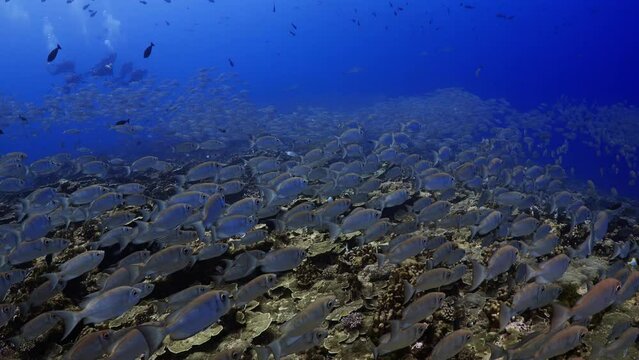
409, 291
89, 297
496, 352
560, 314
479, 274
70, 318
505, 314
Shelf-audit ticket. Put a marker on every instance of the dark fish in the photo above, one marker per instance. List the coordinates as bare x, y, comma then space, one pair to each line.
147, 51
142, 2
292, 33
294, 27
231, 63
504, 16
23, 118
167, 23
273, 7
93, 13
1, 132
122, 122
86, 6
53, 54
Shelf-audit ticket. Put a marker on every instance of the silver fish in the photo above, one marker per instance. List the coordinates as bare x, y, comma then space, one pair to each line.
198, 314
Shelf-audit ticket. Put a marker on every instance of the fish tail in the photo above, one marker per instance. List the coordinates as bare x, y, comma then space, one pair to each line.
180, 180
524, 273
280, 226
17, 341
496, 352
505, 313
22, 212
201, 232
409, 291
24, 308
214, 237
473, 231
429, 264
597, 350
58, 47
268, 195
436, 158
276, 349
560, 314
154, 334
375, 351
479, 274
70, 318
53, 277
381, 259
334, 230
262, 352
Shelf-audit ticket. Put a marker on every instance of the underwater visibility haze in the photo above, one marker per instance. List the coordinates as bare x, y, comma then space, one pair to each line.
320, 179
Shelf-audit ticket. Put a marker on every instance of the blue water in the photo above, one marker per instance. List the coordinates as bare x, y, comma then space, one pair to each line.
344, 54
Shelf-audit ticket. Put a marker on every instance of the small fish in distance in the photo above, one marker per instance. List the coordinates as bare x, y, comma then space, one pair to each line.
147, 51
53, 54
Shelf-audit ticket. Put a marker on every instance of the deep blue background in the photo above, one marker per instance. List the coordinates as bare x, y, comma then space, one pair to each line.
581, 49
584, 49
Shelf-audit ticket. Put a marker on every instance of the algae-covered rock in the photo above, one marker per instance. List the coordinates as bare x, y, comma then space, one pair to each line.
334, 339
256, 324
179, 346
322, 247
342, 311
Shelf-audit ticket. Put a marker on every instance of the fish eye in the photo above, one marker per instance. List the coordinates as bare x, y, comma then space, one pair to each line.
106, 336
617, 288
223, 297
185, 251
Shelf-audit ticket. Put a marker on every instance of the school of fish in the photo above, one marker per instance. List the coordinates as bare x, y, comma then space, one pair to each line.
217, 222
